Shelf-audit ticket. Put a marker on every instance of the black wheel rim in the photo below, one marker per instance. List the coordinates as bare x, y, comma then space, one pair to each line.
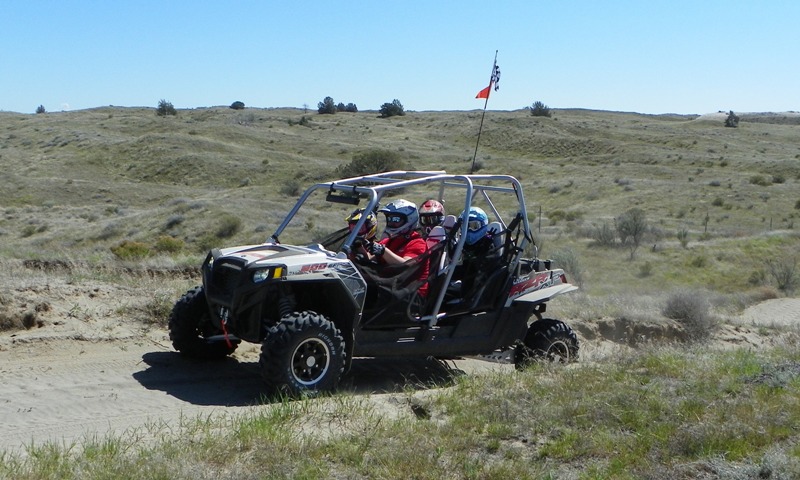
310, 361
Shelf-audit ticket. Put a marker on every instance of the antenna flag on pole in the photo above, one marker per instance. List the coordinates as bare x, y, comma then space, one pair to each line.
493, 80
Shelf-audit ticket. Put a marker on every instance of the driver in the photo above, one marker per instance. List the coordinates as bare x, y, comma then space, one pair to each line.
370, 227
403, 242
366, 235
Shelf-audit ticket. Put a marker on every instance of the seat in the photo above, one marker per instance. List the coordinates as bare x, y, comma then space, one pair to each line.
496, 230
436, 235
449, 222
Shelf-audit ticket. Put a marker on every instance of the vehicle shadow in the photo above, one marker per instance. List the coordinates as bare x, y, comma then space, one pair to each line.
229, 382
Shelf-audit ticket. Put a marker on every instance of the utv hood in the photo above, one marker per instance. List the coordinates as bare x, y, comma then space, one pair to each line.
269, 253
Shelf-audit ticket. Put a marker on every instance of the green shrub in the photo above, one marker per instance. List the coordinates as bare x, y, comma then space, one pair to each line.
784, 272
698, 261
165, 108
229, 226
40, 109
371, 161
237, 105
539, 109
130, 250
291, 188
604, 235
392, 109
690, 309
645, 269
732, 120
683, 237
556, 215
326, 106
631, 227
760, 180
169, 244
568, 259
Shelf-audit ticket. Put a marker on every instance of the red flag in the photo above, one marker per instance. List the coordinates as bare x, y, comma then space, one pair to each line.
493, 80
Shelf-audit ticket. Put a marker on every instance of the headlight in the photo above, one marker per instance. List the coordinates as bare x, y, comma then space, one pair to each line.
261, 275
267, 273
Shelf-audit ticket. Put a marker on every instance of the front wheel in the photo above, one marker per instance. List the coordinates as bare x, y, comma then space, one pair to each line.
547, 339
304, 352
191, 330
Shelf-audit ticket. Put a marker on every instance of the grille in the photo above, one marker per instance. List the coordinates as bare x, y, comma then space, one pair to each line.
226, 277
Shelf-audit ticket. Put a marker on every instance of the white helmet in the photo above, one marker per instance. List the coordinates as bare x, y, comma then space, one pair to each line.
401, 217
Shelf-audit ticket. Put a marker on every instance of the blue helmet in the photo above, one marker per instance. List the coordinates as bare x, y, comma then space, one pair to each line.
477, 225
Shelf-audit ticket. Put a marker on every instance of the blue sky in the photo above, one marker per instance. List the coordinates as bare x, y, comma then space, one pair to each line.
647, 56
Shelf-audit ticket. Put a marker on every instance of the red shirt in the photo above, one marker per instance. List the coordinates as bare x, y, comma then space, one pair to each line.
411, 245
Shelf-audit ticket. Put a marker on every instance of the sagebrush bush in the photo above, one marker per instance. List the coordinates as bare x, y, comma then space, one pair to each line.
690, 309
569, 260
631, 228
291, 188
229, 226
760, 180
130, 250
683, 237
604, 235
784, 272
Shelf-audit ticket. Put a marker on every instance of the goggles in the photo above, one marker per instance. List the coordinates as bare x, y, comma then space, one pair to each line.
395, 220
474, 225
430, 219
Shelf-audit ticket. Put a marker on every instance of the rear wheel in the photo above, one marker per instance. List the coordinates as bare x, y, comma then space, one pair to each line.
549, 340
191, 330
303, 353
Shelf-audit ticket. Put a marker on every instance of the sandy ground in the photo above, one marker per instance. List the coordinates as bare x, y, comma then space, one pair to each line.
83, 374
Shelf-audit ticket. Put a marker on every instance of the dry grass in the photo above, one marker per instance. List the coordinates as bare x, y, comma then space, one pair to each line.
653, 413
88, 181
80, 184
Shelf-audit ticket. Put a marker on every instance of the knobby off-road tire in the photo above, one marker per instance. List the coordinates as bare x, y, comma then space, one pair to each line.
549, 340
303, 353
190, 328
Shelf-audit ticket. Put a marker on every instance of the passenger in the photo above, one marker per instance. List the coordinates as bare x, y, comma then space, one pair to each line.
431, 214
479, 253
480, 241
403, 242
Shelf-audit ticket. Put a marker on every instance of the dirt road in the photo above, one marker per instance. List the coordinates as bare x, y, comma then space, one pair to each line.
67, 390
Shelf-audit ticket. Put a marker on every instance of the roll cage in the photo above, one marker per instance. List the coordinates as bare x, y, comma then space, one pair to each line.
373, 188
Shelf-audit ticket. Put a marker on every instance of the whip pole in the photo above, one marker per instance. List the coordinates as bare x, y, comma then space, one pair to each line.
480, 128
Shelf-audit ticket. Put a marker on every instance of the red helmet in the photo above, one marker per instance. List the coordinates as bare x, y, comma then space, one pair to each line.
431, 214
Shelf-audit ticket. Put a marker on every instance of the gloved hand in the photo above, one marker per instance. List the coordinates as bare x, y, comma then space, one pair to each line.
376, 248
